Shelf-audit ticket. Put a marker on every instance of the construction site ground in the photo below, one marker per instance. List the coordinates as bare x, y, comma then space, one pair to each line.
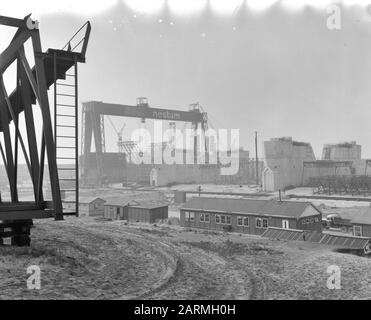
84, 258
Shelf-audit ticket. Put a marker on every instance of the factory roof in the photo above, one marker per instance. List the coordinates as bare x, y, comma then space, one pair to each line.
291, 209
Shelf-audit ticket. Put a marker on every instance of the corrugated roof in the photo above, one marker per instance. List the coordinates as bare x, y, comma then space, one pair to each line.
292, 209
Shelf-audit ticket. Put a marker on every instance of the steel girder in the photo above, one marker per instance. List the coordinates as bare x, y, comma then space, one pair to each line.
30, 84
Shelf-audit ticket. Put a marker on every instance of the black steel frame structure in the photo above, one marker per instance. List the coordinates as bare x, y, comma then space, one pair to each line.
32, 89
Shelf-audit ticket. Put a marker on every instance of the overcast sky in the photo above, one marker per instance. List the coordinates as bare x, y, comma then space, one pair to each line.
279, 72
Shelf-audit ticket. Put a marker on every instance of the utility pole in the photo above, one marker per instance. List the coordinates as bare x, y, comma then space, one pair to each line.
256, 158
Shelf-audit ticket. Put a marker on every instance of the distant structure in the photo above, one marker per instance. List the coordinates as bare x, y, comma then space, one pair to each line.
342, 151
100, 167
284, 159
290, 163
162, 175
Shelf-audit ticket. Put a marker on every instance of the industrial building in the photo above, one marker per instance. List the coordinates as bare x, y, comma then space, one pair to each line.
284, 160
249, 216
346, 151
290, 163
136, 211
162, 175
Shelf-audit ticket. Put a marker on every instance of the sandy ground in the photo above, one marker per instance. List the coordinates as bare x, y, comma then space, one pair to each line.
88, 259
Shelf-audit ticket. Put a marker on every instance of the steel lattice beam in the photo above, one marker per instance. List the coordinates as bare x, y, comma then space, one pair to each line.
28, 86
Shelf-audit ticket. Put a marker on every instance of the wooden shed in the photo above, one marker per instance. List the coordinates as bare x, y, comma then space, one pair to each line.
360, 220
136, 211
180, 196
88, 206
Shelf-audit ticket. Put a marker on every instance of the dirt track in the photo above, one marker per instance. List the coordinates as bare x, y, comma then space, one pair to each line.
86, 259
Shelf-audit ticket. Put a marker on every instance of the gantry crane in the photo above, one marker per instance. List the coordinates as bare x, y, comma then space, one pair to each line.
119, 134
93, 164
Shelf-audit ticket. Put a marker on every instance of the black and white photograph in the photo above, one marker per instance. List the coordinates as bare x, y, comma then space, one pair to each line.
203, 152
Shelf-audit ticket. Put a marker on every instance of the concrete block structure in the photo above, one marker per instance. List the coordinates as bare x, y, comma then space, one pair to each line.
116, 167
291, 164
284, 160
113, 166
249, 216
346, 151
162, 175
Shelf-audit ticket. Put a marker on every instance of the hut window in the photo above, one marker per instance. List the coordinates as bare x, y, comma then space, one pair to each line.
357, 231
258, 222
265, 223
239, 221
222, 219
217, 218
246, 222
191, 216
202, 217
207, 217
228, 219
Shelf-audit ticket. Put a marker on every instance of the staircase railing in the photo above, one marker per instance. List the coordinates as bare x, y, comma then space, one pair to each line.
69, 46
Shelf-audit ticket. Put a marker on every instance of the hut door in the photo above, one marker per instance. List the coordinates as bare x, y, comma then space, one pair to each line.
153, 177
285, 224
